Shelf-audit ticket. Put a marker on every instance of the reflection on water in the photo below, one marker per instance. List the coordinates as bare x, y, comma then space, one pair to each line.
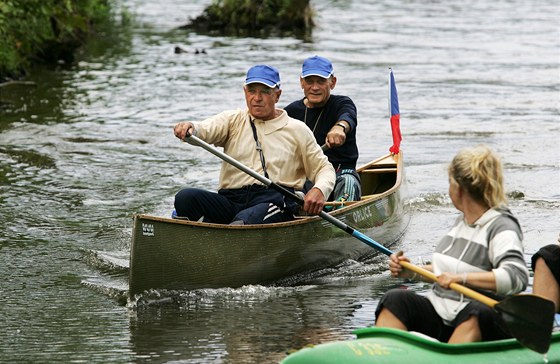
90, 144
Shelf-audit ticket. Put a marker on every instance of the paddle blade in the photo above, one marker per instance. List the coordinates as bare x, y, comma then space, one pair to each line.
529, 319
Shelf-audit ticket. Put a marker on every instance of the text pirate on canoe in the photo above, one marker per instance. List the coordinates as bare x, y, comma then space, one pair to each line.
267, 140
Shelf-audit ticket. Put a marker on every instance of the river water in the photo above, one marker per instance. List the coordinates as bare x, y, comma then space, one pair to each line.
91, 144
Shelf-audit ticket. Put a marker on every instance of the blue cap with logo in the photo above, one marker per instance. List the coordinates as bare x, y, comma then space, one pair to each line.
317, 66
264, 74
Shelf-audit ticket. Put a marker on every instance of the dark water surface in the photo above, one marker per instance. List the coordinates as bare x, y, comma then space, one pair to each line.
91, 144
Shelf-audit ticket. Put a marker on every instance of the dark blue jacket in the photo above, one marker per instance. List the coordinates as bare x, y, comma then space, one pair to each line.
321, 120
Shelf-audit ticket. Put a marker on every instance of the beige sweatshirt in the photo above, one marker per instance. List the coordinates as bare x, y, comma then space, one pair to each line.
292, 155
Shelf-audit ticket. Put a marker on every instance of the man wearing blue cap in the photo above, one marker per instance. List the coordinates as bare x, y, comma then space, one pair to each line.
266, 140
333, 120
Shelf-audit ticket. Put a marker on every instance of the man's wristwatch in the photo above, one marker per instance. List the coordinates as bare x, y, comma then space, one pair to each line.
342, 126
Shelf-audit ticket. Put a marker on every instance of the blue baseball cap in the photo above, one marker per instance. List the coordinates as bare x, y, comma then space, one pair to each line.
317, 66
264, 74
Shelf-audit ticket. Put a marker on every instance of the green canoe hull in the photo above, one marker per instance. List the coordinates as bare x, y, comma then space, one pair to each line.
176, 254
384, 346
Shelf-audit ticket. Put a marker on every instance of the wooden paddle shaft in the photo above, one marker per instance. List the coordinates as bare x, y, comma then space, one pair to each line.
454, 286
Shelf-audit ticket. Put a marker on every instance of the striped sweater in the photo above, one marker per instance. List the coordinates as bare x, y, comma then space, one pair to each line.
492, 243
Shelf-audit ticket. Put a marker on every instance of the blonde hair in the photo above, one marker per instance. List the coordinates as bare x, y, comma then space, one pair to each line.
479, 171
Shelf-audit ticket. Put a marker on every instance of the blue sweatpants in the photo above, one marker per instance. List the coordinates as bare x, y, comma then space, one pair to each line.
255, 204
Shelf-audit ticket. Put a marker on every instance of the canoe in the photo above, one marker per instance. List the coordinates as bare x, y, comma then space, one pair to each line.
175, 254
385, 345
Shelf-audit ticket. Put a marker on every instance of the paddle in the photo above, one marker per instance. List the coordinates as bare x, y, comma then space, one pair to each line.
287, 193
528, 317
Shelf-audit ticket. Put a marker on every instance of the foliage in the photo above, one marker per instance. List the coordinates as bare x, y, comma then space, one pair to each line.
255, 17
44, 30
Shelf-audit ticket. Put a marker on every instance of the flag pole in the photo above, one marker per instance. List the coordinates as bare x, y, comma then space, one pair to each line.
394, 114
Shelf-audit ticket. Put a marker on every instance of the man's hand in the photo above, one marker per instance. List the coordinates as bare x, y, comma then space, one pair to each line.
337, 135
314, 201
183, 129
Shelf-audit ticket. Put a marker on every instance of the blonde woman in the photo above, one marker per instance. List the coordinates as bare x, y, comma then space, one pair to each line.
483, 250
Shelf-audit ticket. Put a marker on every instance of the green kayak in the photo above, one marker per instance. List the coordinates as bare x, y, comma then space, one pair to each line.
383, 345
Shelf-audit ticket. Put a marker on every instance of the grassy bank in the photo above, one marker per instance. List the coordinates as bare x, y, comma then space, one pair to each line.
34, 31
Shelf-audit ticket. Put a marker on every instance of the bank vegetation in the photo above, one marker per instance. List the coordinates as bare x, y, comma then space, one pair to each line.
44, 31
50, 31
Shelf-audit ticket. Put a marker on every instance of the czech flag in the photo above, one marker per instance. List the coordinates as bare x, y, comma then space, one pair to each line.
395, 114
